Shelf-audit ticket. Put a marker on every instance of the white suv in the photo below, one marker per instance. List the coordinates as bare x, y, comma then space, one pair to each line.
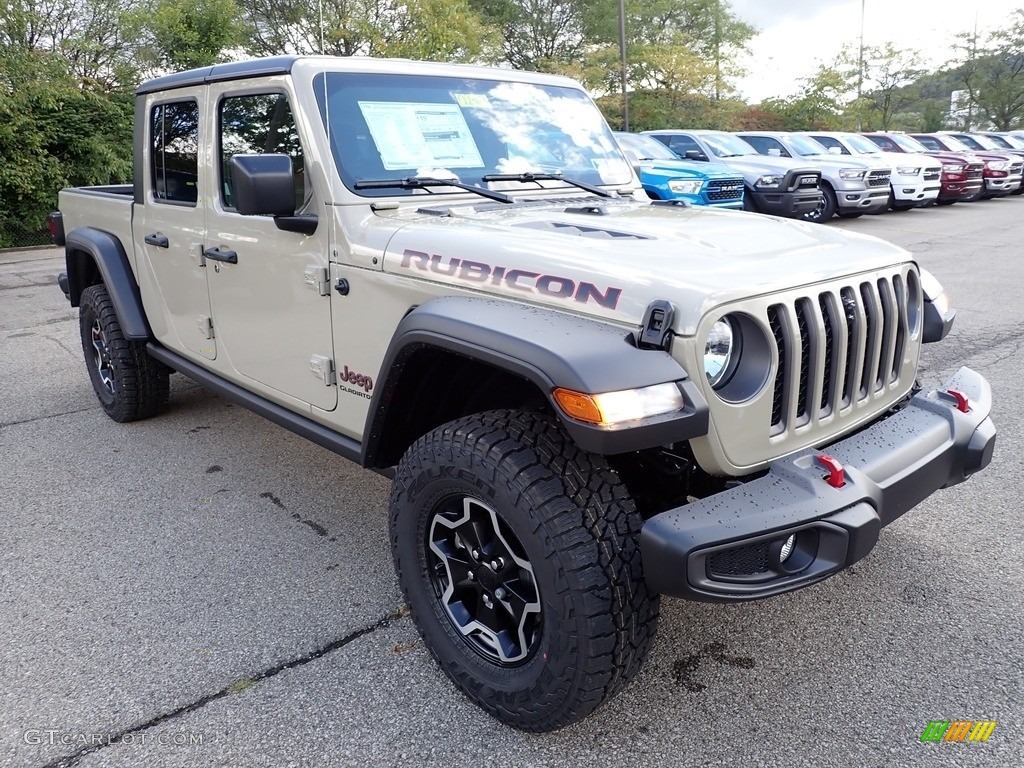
916, 179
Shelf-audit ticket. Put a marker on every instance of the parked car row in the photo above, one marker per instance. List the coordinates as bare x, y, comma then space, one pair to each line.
816, 175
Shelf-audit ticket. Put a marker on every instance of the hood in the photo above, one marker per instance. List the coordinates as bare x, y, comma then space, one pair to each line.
958, 158
758, 165
674, 169
611, 258
845, 161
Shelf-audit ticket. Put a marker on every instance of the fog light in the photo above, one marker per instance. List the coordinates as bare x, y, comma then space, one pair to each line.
787, 548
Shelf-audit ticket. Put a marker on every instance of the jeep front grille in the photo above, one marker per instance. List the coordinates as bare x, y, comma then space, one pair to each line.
725, 190
836, 349
879, 178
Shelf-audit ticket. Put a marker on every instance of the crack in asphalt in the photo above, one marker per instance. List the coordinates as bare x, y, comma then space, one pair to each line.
235, 687
43, 418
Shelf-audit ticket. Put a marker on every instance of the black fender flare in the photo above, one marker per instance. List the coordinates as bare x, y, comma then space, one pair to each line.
108, 254
550, 349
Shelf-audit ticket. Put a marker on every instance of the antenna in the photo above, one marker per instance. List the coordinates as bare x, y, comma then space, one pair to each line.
320, 7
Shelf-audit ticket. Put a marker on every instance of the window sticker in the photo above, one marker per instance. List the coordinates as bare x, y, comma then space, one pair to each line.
611, 170
414, 135
472, 100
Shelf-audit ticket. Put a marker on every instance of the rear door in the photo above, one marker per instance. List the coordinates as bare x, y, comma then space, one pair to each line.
170, 225
271, 307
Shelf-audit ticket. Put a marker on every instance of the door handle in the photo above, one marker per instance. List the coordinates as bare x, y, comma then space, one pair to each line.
221, 254
160, 241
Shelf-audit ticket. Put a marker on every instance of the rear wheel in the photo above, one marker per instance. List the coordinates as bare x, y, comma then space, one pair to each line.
517, 554
129, 384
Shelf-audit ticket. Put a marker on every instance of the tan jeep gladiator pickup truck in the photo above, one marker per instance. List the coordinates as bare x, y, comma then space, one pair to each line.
586, 399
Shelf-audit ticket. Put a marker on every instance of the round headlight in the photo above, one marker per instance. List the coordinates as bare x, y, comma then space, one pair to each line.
718, 352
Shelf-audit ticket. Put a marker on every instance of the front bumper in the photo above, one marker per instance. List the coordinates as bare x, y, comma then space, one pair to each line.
913, 191
726, 547
862, 201
1001, 186
789, 204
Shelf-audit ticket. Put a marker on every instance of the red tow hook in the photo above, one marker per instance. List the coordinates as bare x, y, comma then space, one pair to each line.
836, 474
962, 403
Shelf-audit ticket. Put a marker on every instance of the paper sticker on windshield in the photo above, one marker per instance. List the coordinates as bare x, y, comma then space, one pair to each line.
611, 170
472, 100
413, 135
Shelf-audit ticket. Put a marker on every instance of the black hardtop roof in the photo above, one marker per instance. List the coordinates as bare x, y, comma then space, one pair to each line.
235, 70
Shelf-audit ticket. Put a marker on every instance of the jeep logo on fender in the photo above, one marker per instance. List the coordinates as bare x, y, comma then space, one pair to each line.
518, 279
356, 379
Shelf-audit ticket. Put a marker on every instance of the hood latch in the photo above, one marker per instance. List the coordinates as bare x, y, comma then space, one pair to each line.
656, 326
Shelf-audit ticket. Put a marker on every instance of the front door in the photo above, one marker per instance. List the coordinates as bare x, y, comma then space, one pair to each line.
272, 314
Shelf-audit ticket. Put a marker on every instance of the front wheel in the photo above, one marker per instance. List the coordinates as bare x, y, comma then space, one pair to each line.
826, 207
518, 556
129, 384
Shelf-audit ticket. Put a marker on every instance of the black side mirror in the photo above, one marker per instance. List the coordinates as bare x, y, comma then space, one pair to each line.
694, 154
264, 185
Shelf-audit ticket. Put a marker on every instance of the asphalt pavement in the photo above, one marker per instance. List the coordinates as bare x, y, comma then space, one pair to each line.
207, 589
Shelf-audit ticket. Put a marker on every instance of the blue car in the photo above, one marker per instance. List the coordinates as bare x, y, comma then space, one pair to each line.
665, 176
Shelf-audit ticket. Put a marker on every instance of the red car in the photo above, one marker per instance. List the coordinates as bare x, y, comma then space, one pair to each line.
962, 173
1002, 173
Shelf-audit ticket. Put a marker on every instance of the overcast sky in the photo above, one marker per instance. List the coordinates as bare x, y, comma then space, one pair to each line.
796, 35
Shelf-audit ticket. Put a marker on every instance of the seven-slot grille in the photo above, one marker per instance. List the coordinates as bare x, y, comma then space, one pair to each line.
878, 178
836, 349
725, 190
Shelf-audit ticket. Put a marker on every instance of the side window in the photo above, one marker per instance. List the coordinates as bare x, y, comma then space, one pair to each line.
683, 144
830, 143
887, 144
258, 124
174, 149
764, 145
929, 142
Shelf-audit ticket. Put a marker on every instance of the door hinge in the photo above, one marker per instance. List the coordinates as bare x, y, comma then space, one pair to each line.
316, 277
205, 326
323, 368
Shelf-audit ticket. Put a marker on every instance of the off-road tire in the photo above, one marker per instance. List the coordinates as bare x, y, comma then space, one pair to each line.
578, 530
129, 384
826, 210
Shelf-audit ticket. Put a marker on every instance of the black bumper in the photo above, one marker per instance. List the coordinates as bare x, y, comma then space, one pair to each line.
788, 204
726, 547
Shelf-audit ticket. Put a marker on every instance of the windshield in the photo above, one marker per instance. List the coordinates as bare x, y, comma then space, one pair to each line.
860, 144
983, 142
644, 148
805, 145
725, 145
908, 143
954, 144
397, 126
1013, 141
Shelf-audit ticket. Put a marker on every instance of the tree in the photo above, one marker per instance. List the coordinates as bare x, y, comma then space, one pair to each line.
992, 72
449, 30
890, 73
185, 34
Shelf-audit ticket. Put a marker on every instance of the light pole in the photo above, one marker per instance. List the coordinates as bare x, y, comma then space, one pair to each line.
860, 65
622, 55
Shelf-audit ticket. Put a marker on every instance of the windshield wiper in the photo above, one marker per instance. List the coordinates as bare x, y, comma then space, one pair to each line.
422, 182
530, 176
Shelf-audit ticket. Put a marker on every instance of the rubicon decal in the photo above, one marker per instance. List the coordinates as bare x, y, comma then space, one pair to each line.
518, 279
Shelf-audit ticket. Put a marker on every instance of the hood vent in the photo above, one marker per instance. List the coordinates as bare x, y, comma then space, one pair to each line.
581, 230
